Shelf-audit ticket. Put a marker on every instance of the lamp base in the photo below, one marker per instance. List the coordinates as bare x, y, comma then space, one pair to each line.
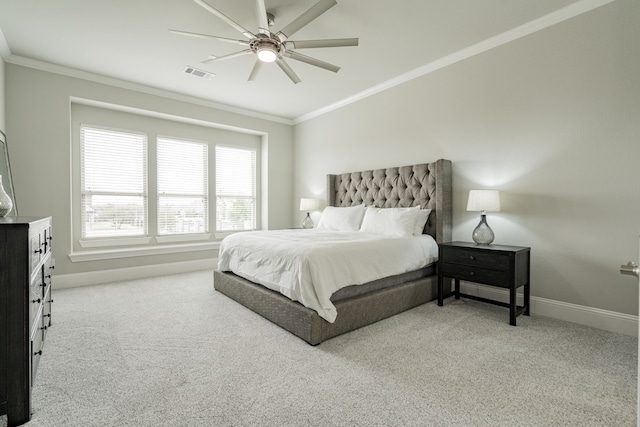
483, 234
308, 222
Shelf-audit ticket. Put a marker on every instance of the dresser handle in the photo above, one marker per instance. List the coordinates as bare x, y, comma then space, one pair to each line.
44, 328
472, 257
46, 315
37, 353
37, 251
47, 277
36, 301
472, 273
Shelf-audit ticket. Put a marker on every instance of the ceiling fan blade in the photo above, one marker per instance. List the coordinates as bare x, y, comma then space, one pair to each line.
312, 61
229, 56
261, 15
248, 34
254, 71
316, 10
288, 71
209, 36
311, 44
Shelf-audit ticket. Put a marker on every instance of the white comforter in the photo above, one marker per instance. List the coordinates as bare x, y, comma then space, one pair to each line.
310, 265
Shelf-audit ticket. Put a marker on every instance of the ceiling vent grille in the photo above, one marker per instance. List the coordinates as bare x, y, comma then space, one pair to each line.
199, 73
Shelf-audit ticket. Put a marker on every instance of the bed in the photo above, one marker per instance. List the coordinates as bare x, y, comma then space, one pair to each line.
427, 185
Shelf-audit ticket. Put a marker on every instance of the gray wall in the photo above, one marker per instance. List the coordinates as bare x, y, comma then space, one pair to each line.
551, 120
38, 128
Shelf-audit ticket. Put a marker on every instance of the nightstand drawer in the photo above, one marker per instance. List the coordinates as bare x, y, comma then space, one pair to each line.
475, 274
493, 260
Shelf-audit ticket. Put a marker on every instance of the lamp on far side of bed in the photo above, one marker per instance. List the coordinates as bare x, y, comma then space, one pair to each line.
308, 205
483, 201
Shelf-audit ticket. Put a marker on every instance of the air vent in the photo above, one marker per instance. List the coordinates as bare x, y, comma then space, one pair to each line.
199, 73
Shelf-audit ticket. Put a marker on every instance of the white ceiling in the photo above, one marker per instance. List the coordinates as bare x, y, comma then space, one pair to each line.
128, 40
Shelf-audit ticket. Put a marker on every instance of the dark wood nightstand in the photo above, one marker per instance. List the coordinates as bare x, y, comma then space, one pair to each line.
495, 265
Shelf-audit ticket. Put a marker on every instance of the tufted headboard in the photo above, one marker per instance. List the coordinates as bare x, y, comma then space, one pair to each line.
427, 185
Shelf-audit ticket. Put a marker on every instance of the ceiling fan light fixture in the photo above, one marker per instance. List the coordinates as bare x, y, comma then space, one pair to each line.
267, 53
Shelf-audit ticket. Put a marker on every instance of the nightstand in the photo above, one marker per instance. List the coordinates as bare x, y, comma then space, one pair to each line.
495, 265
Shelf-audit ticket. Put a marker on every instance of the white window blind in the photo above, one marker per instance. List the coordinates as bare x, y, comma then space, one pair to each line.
182, 187
114, 186
235, 189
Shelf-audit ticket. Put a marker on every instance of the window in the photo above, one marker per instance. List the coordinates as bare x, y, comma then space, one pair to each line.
113, 183
182, 187
144, 184
235, 189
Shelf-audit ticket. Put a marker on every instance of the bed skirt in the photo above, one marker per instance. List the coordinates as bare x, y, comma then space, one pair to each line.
353, 313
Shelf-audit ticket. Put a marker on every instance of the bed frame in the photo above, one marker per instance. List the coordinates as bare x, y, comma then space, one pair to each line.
427, 185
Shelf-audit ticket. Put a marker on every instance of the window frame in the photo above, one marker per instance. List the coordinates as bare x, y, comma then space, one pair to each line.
130, 239
205, 195
104, 115
256, 191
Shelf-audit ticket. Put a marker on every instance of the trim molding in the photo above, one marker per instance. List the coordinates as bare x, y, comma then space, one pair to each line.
593, 317
102, 254
560, 15
523, 30
137, 87
611, 321
62, 281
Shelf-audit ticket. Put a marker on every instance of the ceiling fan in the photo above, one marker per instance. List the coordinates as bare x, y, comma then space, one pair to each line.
274, 47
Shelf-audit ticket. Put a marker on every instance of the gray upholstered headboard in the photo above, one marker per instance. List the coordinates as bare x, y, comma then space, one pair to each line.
427, 185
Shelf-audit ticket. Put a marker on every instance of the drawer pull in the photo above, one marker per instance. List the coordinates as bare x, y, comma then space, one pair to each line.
47, 277
472, 257
37, 251
47, 315
44, 328
36, 301
37, 353
472, 273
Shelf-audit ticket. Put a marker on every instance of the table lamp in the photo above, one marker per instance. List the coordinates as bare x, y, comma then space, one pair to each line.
483, 201
308, 205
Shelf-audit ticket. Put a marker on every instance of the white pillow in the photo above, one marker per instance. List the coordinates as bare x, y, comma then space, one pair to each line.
421, 221
341, 219
398, 222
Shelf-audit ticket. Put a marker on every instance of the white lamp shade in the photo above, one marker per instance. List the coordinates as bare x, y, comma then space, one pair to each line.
484, 200
309, 204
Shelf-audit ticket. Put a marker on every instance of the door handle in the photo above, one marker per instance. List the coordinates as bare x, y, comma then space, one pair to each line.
631, 269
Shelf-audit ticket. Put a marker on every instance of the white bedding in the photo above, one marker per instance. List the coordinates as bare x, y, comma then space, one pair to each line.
308, 266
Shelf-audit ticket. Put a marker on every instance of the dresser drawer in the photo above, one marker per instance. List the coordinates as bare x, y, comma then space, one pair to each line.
35, 298
46, 312
36, 352
476, 274
471, 257
40, 240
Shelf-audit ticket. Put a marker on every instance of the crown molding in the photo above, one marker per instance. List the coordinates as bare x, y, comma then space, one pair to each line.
531, 27
546, 21
111, 81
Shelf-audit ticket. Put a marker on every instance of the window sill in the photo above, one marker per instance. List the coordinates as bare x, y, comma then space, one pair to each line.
105, 254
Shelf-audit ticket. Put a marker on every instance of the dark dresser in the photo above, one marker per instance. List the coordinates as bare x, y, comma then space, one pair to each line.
26, 266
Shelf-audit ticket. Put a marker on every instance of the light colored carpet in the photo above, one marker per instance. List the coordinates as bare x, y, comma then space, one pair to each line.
171, 351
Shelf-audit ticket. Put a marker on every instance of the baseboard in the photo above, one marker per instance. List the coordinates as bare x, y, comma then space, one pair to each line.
594, 317
589, 316
61, 281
